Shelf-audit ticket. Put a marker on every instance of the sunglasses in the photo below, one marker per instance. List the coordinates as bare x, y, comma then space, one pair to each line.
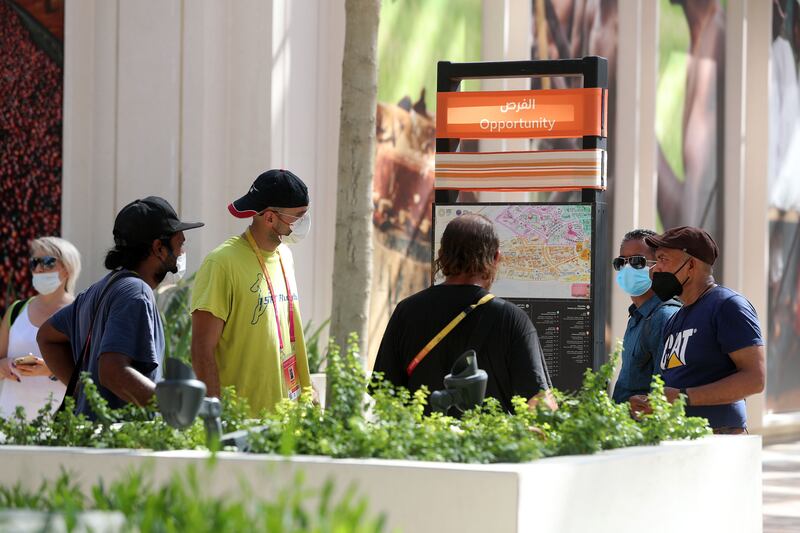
636, 261
48, 262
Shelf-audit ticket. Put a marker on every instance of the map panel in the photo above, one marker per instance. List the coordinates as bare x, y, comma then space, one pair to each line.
546, 248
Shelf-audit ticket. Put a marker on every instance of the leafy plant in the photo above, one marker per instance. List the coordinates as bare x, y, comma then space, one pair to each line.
313, 351
181, 504
174, 303
392, 424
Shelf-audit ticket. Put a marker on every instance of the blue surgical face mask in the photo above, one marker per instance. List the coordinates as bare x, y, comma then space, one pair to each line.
634, 281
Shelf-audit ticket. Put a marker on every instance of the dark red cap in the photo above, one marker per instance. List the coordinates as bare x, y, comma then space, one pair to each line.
694, 241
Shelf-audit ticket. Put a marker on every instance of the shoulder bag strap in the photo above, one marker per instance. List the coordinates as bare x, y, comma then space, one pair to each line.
83, 356
442, 334
16, 309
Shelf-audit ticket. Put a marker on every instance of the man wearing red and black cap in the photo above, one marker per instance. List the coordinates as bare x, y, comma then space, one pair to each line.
113, 330
246, 325
713, 351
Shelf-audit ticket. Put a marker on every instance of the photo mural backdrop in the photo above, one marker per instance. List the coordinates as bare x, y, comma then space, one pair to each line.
31, 84
565, 29
414, 35
783, 322
690, 115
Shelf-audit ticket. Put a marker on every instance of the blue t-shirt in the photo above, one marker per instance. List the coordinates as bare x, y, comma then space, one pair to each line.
127, 322
697, 342
641, 347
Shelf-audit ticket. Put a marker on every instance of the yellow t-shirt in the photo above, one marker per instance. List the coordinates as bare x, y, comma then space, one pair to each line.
231, 286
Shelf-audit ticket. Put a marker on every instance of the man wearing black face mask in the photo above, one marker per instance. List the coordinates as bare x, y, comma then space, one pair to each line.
113, 330
713, 351
246, 326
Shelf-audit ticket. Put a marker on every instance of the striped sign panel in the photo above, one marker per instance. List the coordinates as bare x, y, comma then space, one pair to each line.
549, 170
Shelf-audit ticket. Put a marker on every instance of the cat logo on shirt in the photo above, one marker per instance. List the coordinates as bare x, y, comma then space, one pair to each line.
675, 349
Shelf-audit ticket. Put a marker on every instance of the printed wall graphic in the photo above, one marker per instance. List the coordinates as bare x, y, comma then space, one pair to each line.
564, 29
413, 36
690, 113
31, 84
783, 321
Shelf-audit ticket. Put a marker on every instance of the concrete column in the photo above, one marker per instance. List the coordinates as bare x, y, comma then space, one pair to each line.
148, 100
751, 206
635, 144
90, 133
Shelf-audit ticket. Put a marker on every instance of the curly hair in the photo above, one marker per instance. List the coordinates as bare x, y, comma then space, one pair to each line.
638, 235
469, 246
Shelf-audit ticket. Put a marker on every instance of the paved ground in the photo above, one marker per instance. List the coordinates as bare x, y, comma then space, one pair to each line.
781, 467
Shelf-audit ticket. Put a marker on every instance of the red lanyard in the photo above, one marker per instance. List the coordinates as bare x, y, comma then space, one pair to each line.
256, 251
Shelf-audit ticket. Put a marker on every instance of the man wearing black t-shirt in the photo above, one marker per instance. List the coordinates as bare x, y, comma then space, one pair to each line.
712, 350
502, 335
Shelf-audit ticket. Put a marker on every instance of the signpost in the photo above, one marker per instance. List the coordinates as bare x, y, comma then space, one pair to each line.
555, 264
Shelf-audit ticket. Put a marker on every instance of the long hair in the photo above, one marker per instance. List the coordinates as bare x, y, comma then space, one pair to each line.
64, 251
469, 246
128, 256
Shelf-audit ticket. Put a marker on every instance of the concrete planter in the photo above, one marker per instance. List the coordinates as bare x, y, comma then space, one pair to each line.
27, 521
713, 484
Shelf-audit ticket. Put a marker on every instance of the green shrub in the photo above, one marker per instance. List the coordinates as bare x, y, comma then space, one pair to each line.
174, 305
390, 425
313, 351
181, 505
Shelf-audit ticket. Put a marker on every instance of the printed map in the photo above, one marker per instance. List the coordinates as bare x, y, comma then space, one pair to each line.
546, 249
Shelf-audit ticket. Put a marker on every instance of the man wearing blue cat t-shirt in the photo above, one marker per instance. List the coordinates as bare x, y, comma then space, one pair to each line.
712, 352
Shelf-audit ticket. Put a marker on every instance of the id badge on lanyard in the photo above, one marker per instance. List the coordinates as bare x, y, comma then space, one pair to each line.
287, 353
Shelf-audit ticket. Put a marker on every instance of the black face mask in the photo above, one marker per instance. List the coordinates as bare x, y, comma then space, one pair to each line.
666, 284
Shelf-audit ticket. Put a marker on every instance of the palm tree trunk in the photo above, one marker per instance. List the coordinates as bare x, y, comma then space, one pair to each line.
352, 264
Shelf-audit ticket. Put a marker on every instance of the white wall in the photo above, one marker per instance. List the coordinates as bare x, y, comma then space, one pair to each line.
191, 101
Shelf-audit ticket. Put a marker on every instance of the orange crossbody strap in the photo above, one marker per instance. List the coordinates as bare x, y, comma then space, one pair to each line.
442, 334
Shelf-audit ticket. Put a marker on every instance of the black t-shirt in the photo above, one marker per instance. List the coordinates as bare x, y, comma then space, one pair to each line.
506, 343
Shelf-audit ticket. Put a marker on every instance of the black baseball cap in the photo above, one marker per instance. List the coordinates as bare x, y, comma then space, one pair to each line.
694, 241
143, 221
273, 188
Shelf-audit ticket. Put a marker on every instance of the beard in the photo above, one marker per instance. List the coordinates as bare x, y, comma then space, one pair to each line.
166, 268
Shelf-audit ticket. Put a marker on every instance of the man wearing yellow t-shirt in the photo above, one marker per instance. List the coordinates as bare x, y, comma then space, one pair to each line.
246, 326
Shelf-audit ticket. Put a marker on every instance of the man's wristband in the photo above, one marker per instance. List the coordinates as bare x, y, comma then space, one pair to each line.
683, 391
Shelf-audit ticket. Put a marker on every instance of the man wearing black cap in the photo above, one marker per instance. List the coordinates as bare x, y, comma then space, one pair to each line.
113, 330
713, 351
246, 325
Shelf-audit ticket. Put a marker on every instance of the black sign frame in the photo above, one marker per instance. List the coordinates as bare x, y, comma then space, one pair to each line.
594, 72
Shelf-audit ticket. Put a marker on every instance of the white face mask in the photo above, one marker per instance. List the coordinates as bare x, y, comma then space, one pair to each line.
46, 283
180, 262
299, 230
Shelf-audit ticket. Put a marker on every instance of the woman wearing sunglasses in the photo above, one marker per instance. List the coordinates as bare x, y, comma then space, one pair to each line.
25, 379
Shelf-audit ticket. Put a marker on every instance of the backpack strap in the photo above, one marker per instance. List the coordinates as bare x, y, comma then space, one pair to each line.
15, 310
83, 357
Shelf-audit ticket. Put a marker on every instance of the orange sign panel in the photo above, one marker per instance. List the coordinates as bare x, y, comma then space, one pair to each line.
532, 114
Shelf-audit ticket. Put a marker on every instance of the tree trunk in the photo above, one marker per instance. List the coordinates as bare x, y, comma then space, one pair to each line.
352, 263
